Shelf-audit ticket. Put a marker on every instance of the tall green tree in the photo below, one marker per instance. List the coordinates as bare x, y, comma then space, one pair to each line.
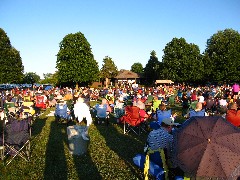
182, 62
137, 68
222, 56
31, 78
108, 70
75, 61
152, 68
11, 69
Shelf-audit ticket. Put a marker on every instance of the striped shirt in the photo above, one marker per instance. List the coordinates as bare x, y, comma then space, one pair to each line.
160, 138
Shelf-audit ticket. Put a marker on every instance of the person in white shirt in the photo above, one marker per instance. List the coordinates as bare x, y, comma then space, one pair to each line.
81, 110
200, 98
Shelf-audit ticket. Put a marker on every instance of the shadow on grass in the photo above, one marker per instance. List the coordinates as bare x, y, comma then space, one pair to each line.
125, 146
55, 163
60, 164
84, 166
38, 125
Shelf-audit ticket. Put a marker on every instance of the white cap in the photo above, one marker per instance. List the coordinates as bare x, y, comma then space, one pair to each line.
169, 121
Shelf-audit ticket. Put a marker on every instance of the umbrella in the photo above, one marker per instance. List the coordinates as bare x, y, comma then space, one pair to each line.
208, 147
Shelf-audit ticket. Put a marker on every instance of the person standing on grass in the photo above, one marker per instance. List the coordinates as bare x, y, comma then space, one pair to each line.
235, 91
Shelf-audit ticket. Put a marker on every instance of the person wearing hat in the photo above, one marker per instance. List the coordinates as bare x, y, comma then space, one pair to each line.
160, 138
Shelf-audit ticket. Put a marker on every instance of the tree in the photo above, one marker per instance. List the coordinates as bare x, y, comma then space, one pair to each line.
222, 56
50, 78
182, 62
137, 68
75, 61
151, 70
31, 78
108, 70
11, 69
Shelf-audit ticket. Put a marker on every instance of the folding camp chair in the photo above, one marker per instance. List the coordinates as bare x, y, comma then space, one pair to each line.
102, 114
27, 109
193, 113
62, 112
193, 105
159, 175
26, 98
161, 171
16, 140
40, 104
163, 114
9, 107
132, 120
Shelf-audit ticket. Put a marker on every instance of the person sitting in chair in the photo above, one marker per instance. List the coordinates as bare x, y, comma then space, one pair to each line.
103, 109
198, 111
143, 114
163, 113
81, 110
161, 138
233, 115
62, 111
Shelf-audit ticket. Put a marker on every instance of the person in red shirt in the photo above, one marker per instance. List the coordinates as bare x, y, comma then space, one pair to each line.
194, 96
233, 115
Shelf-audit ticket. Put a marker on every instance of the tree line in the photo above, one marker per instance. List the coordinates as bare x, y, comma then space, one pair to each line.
181, 62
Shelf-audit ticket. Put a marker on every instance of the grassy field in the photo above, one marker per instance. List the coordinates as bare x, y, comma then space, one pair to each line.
109, 155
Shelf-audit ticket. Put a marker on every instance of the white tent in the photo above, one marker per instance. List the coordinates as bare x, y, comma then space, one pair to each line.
164, 82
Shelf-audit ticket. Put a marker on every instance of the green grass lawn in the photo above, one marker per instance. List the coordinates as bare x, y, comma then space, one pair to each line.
109, 154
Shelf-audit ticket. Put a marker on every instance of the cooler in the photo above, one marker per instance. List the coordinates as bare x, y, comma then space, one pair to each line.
77, 145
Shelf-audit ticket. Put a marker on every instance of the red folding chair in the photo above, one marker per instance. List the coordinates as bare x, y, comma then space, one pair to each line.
40, 102
132, 120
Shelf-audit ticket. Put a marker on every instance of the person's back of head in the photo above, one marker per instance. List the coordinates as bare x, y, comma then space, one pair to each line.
80, 100
162, 107
198, 106
238, 103
233, 106
104, 101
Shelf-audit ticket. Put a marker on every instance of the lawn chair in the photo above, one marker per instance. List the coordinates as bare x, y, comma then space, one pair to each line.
193, 105
16, 140
193, 113
27, 109
9, 107
161, 173
102, 114
40, 102
26, 98
163, 114
132, 120
62, 112
40, 105
160, 170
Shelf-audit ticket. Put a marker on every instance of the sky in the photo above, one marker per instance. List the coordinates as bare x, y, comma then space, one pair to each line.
125, 30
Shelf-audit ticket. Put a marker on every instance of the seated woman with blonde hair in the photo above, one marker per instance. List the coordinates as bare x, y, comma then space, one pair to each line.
233, 115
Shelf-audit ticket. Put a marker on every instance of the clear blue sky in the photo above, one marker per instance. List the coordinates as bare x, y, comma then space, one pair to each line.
125, 30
